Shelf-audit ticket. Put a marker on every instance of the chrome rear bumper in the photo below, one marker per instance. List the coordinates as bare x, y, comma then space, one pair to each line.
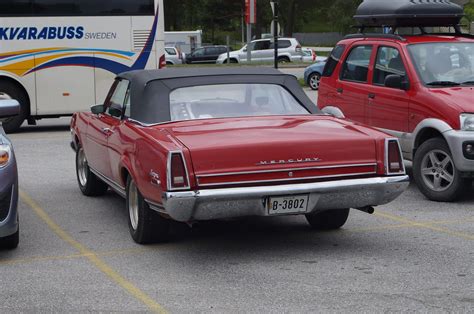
250, 201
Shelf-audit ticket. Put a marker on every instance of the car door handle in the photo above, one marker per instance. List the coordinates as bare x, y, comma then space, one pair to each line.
107, 131
372, 96
340, 90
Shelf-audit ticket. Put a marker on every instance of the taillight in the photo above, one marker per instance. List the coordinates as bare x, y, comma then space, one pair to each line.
314, 55
180, 54
177, 172
162, 62
393, 157
298, 48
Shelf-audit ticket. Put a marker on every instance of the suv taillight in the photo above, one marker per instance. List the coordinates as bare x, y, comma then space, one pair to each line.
177, 173
162, 62
298, 48
393, 157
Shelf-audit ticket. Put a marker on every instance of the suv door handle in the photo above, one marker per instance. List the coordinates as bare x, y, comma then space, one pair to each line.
371, 96
340, 90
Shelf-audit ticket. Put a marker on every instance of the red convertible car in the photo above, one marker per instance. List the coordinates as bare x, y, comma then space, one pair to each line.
202, 144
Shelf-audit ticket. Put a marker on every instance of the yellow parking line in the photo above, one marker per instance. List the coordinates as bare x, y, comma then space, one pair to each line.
92, 257
425, 225
411, 225
64, 257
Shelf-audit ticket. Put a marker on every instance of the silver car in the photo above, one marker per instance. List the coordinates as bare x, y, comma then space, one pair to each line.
174, 56
9, 230
289, 50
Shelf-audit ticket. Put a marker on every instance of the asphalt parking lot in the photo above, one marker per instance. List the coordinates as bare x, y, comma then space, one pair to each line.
76, 253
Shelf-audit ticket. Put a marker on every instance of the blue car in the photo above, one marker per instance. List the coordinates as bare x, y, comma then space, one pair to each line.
312, 74
9, 230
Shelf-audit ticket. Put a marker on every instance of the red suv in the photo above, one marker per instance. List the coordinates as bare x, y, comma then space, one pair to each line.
417, 88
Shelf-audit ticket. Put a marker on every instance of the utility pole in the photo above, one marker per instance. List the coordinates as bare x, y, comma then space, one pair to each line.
251, 18
243, 26
274, 5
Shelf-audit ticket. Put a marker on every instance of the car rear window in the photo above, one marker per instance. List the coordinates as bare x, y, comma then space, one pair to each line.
232, 100
170, 51
284, 44
333, 60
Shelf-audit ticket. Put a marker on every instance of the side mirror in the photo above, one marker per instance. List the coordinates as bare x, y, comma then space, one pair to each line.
245, 49
9, 108
98, 109
396, 81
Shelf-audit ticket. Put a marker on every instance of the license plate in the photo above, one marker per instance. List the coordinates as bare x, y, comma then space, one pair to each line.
291, 204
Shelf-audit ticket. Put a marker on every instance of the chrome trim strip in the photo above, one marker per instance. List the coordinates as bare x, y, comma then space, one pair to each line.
156, 207
114, 186
289, 179
284, 170
231, 202
168, 171
387, 168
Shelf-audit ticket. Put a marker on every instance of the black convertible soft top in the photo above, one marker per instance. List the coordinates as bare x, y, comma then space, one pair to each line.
150, 89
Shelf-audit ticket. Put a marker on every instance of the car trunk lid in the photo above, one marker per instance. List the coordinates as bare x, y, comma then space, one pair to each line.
238, 151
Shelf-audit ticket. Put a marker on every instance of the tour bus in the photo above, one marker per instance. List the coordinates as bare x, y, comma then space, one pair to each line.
61, 56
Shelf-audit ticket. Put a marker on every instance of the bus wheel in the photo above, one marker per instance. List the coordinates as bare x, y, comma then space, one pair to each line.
9, 90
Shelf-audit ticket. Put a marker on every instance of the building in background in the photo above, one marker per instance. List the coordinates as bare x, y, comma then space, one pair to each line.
186, 41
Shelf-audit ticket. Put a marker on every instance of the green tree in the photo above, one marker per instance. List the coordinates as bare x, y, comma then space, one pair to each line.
341, 13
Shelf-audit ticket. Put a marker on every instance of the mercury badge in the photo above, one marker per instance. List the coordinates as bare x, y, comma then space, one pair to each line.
288, 161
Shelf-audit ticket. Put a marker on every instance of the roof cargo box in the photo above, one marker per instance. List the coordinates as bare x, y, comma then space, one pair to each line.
408, 13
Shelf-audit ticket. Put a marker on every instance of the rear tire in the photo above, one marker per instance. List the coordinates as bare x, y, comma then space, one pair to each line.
283, 60
435, 174
89, 183
10, 242
328, 220
10, 90
145, 225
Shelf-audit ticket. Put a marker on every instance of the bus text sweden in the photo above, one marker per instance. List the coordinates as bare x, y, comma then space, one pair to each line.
51, 33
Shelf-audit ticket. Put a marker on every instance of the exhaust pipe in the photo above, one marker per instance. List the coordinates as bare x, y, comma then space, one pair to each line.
367, 209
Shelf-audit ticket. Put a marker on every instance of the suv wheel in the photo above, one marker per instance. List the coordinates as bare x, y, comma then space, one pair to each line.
435, 173
283, 60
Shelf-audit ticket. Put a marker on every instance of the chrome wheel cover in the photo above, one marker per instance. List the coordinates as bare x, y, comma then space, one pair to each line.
133, 205
437, 170
82, 167
314, 81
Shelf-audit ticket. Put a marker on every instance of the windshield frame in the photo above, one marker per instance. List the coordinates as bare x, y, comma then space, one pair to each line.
417, 68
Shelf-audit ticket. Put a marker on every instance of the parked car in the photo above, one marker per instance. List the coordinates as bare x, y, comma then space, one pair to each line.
202, 144
289, 50
309, 55
174, 56
312, 74
418, 88
9, 230
208, 54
